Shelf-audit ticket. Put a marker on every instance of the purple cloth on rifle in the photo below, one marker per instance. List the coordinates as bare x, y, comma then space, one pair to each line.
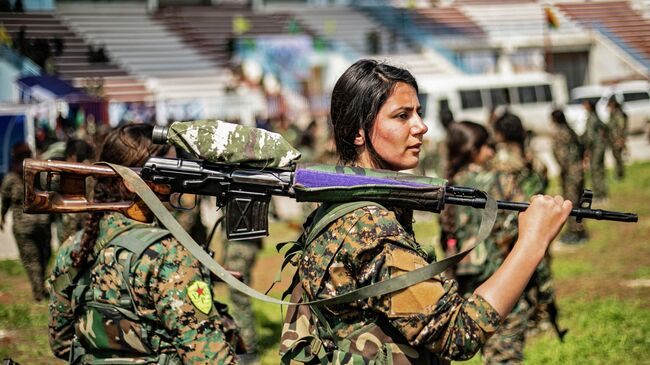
311, 179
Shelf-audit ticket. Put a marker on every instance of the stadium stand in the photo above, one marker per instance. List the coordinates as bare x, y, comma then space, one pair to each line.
210, 28
144, 47
524, 20
72, 64
617, 18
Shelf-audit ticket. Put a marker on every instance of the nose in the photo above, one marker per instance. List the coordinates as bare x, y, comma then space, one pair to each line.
418, 127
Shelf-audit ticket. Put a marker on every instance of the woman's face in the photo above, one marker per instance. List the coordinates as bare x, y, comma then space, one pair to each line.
484, 154
397, 131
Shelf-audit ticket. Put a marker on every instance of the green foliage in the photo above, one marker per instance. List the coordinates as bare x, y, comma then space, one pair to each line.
605, 331
642, 272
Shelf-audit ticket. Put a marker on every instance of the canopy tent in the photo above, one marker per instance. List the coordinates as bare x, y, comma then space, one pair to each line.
46, 87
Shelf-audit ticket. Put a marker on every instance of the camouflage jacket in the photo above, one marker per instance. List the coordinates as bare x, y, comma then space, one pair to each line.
426, 323
528, 172
13, 193
596, 133
527, 179
618, 129
567, 148
163, 284
483, 261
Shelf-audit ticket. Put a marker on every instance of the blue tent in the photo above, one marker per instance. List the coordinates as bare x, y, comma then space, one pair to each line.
47, 87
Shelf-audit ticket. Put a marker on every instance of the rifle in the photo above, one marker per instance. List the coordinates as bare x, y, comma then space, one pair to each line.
245, 192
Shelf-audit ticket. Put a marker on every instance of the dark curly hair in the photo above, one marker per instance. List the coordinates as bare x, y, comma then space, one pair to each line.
129, 145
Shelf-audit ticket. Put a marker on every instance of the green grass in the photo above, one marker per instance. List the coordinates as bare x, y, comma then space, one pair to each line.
608, 323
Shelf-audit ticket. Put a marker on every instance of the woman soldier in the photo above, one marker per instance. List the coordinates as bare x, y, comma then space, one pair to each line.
125, 292
32, 232
568, 152
617, 133
376, 120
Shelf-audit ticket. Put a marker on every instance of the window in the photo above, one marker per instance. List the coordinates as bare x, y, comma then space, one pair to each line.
526, 94
544, 93
635, 96
423, 98
471, 99
500, 96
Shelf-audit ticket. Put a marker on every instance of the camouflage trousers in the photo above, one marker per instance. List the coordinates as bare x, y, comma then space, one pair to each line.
506, 346
617, 152
241, 256
597, 170
573, 183
35, 251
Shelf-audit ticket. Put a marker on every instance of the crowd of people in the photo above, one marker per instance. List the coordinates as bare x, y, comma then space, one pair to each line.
132, 285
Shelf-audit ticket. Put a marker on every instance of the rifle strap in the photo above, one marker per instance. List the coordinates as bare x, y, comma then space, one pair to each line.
133, 181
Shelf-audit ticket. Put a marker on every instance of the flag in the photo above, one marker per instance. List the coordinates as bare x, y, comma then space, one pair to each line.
240, 25
551, 19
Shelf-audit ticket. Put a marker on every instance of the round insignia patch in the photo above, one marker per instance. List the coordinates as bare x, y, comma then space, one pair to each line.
200, 296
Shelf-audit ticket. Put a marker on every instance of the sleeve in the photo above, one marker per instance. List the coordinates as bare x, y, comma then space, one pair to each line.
170, 278
430, 314
60, 317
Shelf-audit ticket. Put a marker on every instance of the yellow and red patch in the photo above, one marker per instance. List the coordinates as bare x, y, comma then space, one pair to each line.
200, 296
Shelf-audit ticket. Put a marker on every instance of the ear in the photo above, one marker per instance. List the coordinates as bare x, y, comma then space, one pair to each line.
360, 138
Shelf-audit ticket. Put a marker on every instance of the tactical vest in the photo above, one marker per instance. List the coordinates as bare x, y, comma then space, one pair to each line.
115, 334
307, 337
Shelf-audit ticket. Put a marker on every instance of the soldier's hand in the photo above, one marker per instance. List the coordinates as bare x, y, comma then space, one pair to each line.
543, 219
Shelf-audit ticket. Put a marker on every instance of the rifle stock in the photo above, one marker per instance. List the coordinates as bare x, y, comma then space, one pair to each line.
245, 192
62, 187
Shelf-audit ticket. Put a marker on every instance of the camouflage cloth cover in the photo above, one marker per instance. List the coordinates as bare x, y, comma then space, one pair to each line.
219, 142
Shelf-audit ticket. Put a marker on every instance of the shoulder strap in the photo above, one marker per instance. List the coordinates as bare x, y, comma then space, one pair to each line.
329, 213
384, 287
138, 239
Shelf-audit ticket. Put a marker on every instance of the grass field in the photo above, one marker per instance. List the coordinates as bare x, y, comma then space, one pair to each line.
600, 291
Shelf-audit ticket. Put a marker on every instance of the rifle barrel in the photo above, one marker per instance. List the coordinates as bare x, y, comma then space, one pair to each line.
598, 214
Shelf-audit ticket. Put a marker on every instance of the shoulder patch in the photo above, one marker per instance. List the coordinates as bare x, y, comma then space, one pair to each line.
200, 296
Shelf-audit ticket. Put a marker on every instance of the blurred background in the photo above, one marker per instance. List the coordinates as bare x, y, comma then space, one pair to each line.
76, 69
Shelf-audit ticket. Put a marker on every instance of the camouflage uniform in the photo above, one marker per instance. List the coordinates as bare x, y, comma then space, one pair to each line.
486, 258
427, 323
595, 140
617, 134
69, 224
240, 257
529, 178
568, 153
32, 233
161, 308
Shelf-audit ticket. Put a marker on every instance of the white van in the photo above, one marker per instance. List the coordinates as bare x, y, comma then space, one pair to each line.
531, 96
635, 96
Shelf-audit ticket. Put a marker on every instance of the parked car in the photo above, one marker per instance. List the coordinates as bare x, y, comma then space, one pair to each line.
635, 96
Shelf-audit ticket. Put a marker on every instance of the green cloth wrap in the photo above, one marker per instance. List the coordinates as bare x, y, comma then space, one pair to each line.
221, 142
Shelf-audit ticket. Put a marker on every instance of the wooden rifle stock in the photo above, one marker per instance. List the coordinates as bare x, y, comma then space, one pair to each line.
61, 187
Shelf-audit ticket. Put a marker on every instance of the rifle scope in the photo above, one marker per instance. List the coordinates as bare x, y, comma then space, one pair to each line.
159, 134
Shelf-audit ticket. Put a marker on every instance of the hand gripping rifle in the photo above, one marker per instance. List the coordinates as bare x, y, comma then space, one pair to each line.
245, 191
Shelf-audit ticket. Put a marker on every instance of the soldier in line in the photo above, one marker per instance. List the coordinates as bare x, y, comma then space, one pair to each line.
123, 291
76, 150
240, 257
595, 140
32, 232
520, 176
568, 152
375, 113
617, 134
